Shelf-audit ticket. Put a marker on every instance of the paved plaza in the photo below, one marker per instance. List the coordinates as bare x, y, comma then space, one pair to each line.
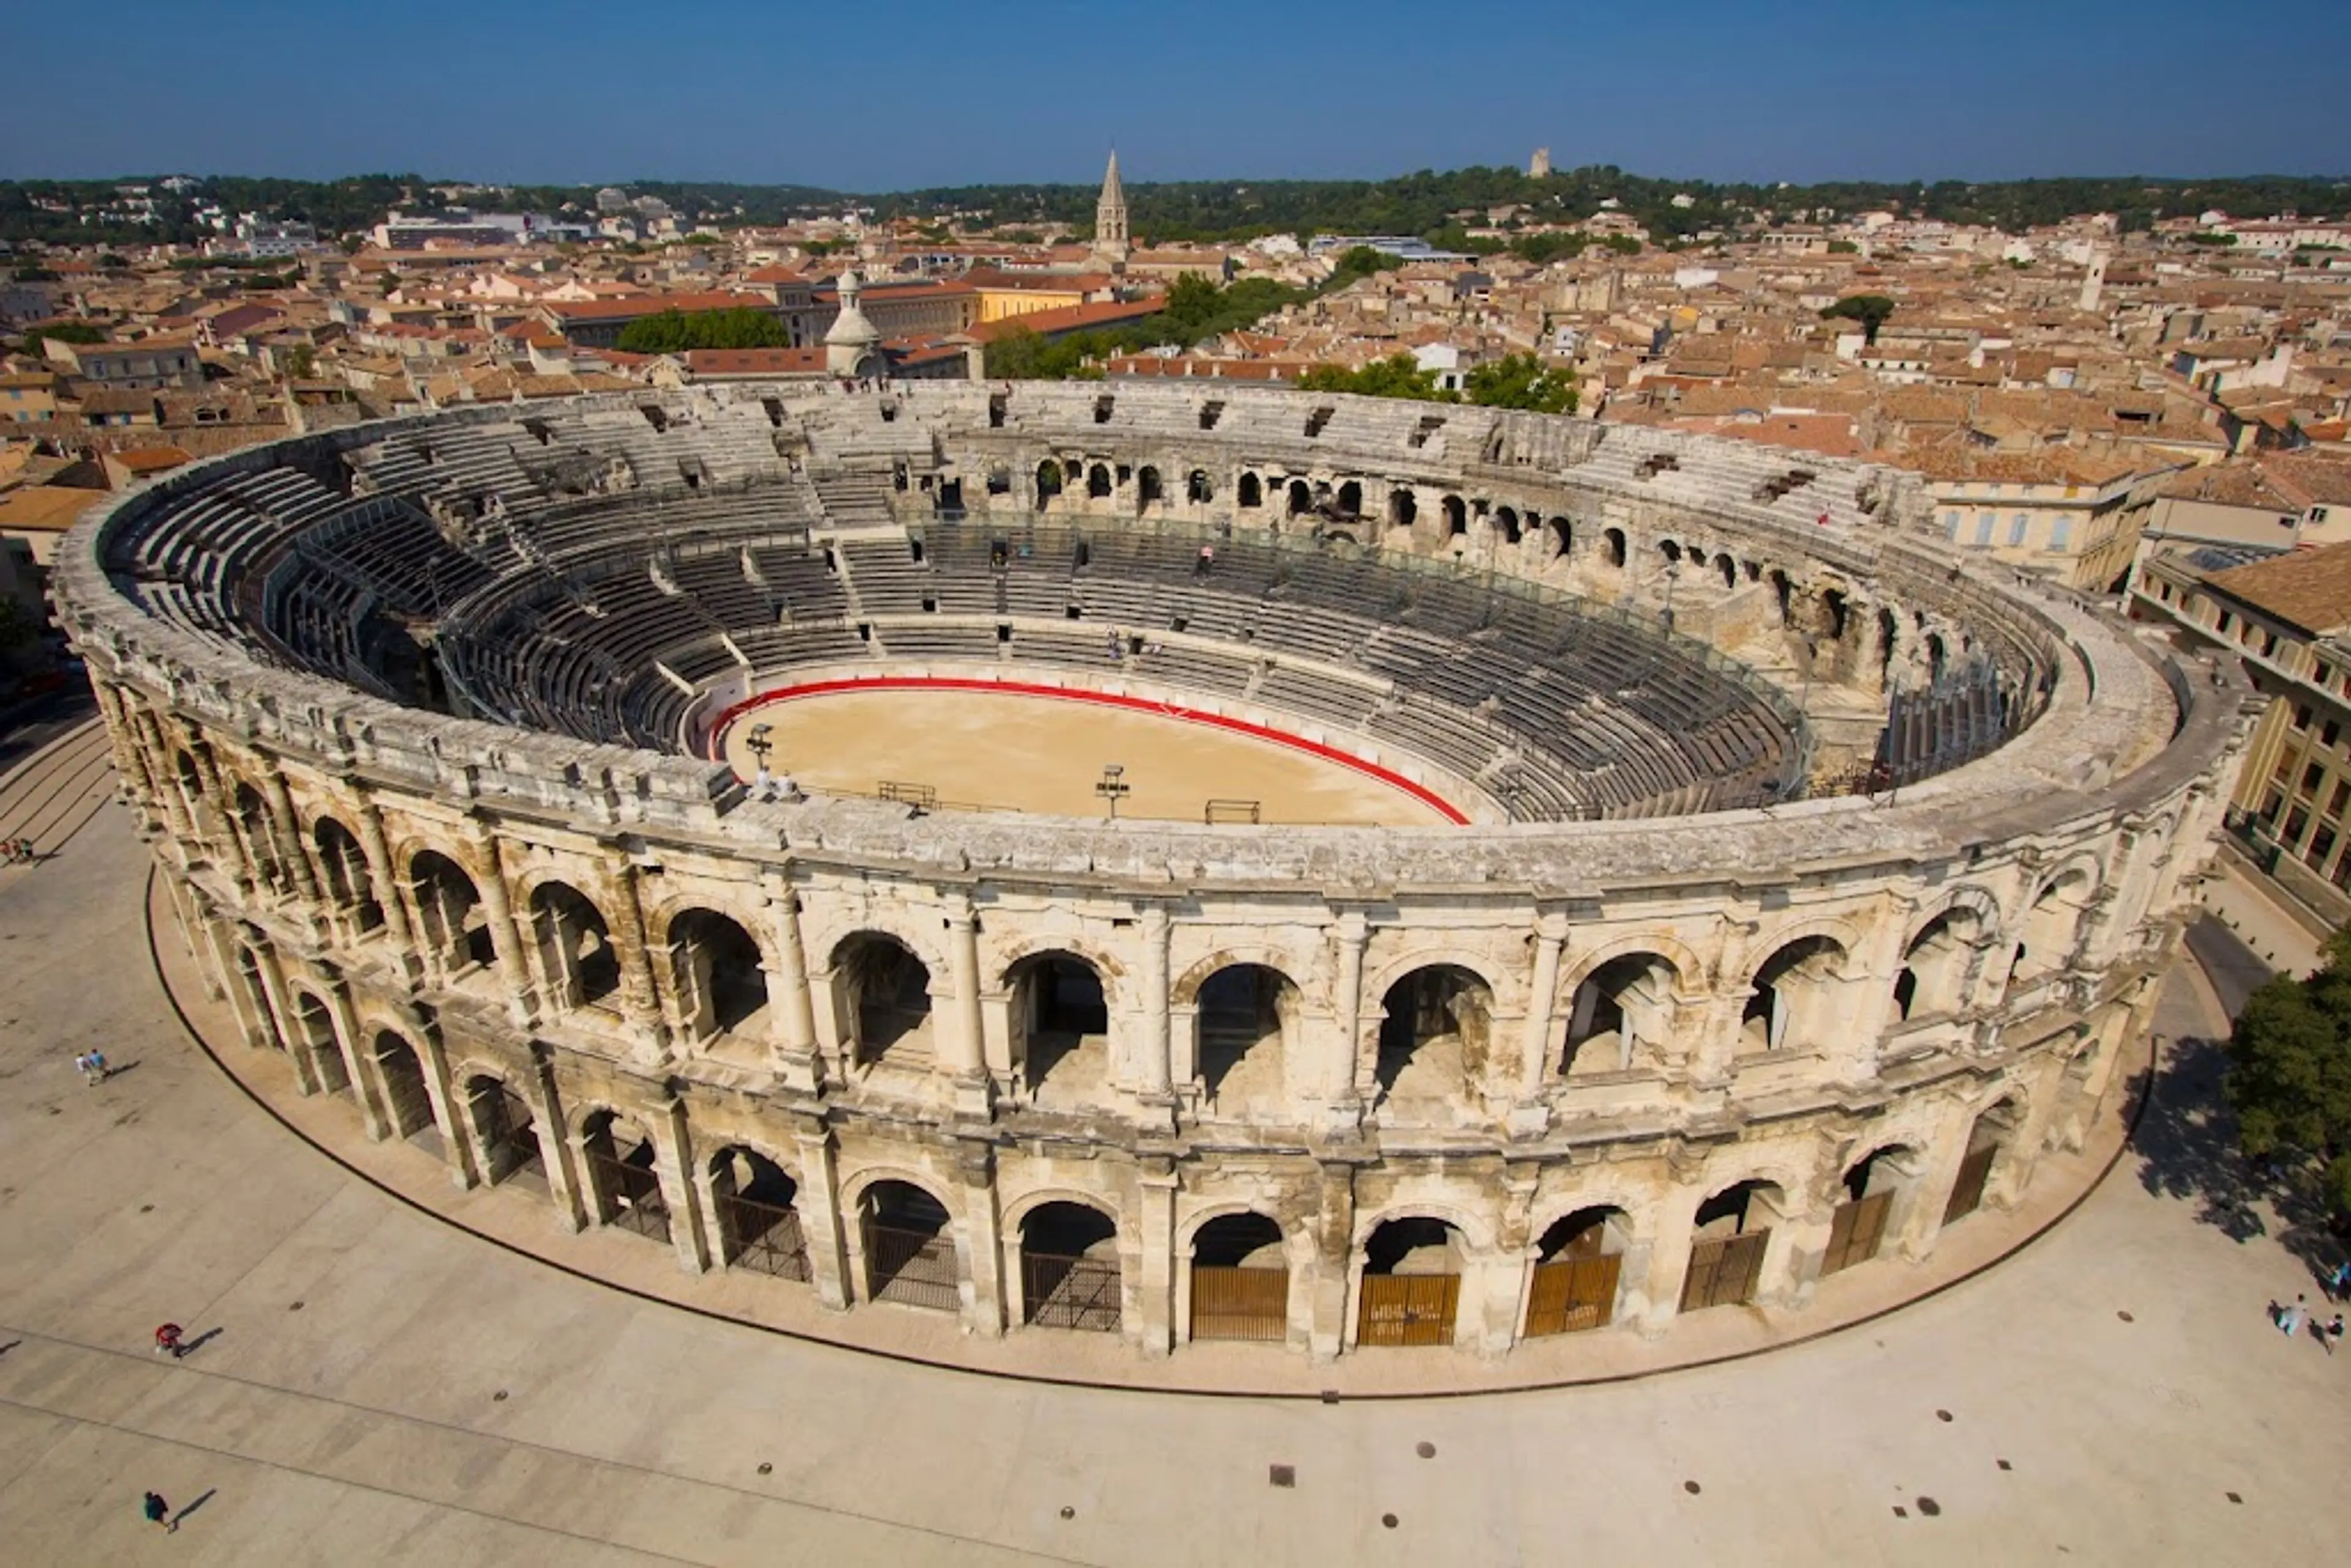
372, 1384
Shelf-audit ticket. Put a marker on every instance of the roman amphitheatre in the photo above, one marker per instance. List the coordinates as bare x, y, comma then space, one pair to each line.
1325, 873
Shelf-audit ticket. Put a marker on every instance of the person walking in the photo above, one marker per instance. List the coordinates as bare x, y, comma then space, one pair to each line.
158, 1511
88, 1069
168, 1341
97, 1065
2331, 1334
2290, 1319
2338, 1283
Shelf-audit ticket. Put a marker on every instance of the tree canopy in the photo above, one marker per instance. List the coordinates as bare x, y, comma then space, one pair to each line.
1871, 310
1398, 375
1522, 381
2289, 1077
673, 332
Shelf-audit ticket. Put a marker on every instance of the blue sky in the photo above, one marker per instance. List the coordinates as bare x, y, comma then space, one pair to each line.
912, 93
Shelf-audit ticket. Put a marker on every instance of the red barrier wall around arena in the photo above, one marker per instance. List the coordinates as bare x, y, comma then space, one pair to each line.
1420, 792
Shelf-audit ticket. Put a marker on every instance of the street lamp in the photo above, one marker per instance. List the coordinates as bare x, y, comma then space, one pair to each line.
758, 745
1112, 787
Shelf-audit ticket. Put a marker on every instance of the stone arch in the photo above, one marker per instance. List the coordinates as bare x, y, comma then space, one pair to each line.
1198, 487
717, 972
348, 884
754, 1209
1787, 994
1578, 1271
1562, 534
316, 1036
907, 1237
1071, 1273
1623, 1009
400, 1067
1250, 492
453, 924
505, 1129
1350, 498
1506, 523
577, 963
1411, 1290
1435, 1029
1298, 499
1185, 991
249, 816
1098, 482
1669, 554
1730, 1236
623, 1170
1049, 483
2050, 927
1246, 1018
1456, 516
1936, 962
1613, 548
882, 994
1403, 508
1991, 1134
1060, 1018
1871, 1187
1146, 488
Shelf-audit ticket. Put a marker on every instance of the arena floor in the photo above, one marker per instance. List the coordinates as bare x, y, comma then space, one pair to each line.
987, 750
374, 1384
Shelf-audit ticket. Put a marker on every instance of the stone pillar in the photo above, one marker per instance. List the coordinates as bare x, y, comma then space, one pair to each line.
1154, 1304
1502, 1287
639, 994
285, 832
674, 1162
980, 1239
1333, 1226
819, 1202
448, 1109
1810, 1216
555, 1150
1341, 1083
965, 1047
385, 881
1155, 1081
790, 1012
1530, 1117
506, 938
359, 1061
1669, 1250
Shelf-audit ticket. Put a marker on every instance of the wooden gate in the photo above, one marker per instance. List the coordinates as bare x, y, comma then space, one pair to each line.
630, 1196
1571, 1294
1967, 1193
1240, 1303
914, 1267
1723, 1272
1068, 1292
1407, 1309
763, 1236
1854, 1233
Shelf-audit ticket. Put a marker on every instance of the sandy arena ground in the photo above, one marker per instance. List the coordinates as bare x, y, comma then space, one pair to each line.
1009, 752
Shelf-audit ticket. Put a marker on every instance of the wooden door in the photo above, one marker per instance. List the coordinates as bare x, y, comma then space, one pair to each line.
1571, 1294
1855, 1232
1723, 1272
1408, 1309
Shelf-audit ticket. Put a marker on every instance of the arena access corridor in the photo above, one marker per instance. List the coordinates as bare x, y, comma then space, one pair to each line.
375, 1386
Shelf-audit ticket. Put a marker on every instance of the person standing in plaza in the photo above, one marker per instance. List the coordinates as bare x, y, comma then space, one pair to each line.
168, 1341
158, 1511
2289, 1320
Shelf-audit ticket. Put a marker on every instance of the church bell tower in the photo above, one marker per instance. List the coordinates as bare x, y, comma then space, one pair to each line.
1111, 243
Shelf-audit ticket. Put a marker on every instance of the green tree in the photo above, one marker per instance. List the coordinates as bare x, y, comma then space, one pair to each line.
673, 332
1870, 309
1398, 375
2289, 1078
301, 364
1522, 381
63, 332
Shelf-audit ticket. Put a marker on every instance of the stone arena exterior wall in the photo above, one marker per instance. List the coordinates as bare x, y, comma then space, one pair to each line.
1955, 969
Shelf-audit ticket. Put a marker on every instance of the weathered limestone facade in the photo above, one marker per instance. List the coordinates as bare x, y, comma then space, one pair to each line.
1037, 1072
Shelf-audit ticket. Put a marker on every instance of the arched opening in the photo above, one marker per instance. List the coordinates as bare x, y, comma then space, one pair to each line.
910, 1258
1784, 593
883, 993
454, 926
1097, 485
1049, 483
716, 967
1792, 986
1669, 554
1934, 966
1732, 1233
1937, 657
576, 961
1240, 1279
1862, 1216
1613, 548
1506, 523
759, 1228
1412, 1283
1456, 516
257, 997
622, 1182
1624, 1005
407, 1102
1252, 493
1301, 497
1060, 1027
1351, 500
1986, 1138
2052, 926
1146, 488
1728, 569
191, 780
1888, 634
345, 869
1562, 537
1402, 508
1068, 1268
504, 1130
315, 1028
1434, 1036
1579, 1260
1241, 1033
252, 818
1199, 486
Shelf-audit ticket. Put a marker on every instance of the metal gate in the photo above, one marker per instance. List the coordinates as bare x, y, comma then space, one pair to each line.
403, 1088
1068, 1292
763, 1236
1723, 1273
1407, 1309
1571, 1294
1967, 1193
508, 1134
630, 1196
1854, 1233
1240, 1303
915, 1267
